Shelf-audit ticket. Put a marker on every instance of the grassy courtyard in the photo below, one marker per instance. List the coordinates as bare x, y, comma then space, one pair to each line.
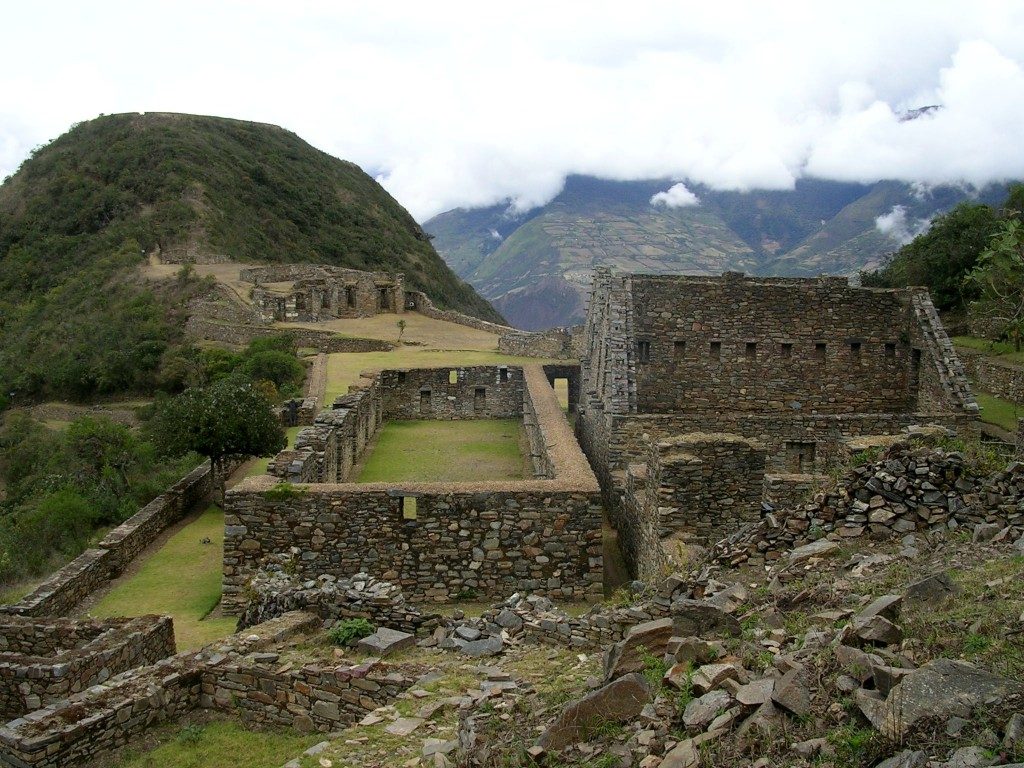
447, 451
996, 410
181, 579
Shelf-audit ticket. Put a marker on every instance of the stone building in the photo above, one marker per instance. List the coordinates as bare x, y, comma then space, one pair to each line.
437, 540
315, 292
790, 366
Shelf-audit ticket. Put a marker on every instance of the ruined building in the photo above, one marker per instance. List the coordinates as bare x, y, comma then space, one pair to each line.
315, 292
704, 396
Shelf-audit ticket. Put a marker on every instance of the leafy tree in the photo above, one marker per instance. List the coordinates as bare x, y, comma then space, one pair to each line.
279, 368
999, 281
401, 328
229, 417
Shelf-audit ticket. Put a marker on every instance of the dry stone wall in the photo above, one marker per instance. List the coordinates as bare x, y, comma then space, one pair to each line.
556, 343
45, 660
321, 291
198, 327
435, 540
994, 376
451, 394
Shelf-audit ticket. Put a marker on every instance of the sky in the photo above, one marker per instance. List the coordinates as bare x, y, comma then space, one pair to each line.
472, 104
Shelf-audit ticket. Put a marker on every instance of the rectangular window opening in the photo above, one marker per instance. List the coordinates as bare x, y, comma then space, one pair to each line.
679, 349
407, 504
855, 348
453, 376
750, 350
643, 351
890, 350
819, 351
401, 377
716, 350
479, 399
785, 349
503, 374
424, 401
800, 457
350, 296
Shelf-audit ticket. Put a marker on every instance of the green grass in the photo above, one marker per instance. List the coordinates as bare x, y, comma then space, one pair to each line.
1001, 349
996, 410
343, 368
183, 580
220, 744
446, 451
259, 467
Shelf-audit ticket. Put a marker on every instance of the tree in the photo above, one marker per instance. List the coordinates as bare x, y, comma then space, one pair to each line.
229, 417
999, 279
401, 328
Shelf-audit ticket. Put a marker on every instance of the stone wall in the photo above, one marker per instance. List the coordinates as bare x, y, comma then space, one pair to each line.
64, 590
418, 301
81, 728
45, 660
321, 291
997, 377
555, 343
453, 393
323, 341
790, 490
436, 540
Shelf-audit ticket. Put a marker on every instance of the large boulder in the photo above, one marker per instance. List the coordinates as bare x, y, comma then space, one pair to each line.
617, 702
940, 689
627, 655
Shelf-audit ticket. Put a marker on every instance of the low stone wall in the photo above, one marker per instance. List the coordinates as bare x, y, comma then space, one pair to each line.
307, 699
556, 343
785, 491
79, 729
46, 660
420, 302
997, 377
240, 335
911, 487
64, 590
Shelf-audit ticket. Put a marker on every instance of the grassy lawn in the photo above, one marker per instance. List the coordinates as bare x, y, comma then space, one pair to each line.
995, 410
446, 451
343, 368
218, 744
183, 580
259, 467
1000, 349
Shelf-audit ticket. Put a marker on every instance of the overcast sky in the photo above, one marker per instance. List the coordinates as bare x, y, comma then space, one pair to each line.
459, 105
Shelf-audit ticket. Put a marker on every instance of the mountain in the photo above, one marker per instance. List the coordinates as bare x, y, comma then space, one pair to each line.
535, 268
81, 214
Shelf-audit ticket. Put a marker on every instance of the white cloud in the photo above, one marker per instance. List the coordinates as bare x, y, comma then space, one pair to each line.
676, 196
467, 104
896, 225
496, 235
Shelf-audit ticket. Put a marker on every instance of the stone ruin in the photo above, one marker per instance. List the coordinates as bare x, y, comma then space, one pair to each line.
316, 292
435, 540
704, 396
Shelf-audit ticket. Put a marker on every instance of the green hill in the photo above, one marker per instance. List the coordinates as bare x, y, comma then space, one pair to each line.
81, 214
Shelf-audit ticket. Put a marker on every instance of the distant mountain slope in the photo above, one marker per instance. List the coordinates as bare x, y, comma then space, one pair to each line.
526, 266
78, 217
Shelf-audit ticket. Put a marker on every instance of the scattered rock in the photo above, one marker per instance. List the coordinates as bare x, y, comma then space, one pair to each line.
932, 591
699, 712
755, 693
488, 646
985, 532
819, 548
710, 676
905, 759
877, 630
403, 726
791, 692
624, 657
386, 641
617, 702
701, 619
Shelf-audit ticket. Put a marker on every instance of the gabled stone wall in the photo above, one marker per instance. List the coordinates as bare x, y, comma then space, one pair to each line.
322, 291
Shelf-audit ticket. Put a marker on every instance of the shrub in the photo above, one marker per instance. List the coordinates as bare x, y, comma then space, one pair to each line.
349, 631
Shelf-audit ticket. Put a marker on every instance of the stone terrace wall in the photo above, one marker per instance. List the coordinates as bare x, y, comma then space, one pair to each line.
479, 392
420, 302
556, 343
488, 537
44, 661
994, 376
63, 591
323, 341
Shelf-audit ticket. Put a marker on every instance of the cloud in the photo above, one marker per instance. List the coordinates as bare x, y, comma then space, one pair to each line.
676, 196
898, 227
465, 104
496, 235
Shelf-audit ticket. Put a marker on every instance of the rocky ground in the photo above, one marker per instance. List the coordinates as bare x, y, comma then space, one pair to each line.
906, 653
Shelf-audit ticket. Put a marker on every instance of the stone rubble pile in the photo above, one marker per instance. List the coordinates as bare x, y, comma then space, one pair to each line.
275, 590
910, 488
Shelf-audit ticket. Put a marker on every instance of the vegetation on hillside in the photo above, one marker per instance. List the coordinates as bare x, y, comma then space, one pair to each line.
80, 215
942, 257
61, 487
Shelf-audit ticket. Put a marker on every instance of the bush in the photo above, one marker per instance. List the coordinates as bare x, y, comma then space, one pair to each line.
349, 632
279, 368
